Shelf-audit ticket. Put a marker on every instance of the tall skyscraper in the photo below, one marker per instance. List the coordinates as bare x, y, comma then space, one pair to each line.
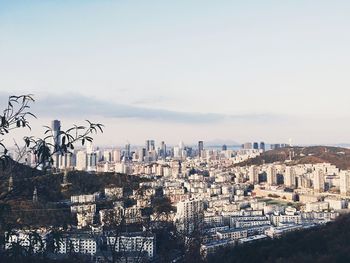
142, 154
127, 154
150, 145
256, 146
163, 150
56, 128
200, 148
224, 147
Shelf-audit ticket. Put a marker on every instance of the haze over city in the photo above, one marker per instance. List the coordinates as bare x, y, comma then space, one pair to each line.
182, 70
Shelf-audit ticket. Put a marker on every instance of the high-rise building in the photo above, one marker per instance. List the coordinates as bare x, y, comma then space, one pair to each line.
271, 175
289, 177
200, 148
256, 146
65, 160
189, 215
116, 156
81, 161
253, 174
247, 146
92, 161
89, 147
127, 153
142, 154
275, 146
224, 147
177, 152
319, 181
150, 145
107, 156
163, 150
56, 128
344, 182
262, 146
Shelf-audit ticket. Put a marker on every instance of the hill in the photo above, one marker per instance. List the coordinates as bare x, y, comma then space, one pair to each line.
302, 155
329, 243
17, 207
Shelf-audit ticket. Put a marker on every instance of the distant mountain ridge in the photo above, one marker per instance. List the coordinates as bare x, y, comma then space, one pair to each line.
337, 156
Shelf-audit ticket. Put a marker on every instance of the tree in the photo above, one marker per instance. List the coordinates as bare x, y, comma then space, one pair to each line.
16, 115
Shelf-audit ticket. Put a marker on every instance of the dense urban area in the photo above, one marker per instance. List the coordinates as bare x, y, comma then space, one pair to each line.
155, 203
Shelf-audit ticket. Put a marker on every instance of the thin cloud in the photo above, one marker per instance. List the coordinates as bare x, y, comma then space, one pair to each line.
84, 107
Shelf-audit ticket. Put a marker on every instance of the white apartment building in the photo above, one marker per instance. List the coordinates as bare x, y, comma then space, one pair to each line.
271, 174
83, 199
78, 243
83, 208
189, 213
134, 242
344, 183
36, 239
232, 234
319, 181
289, 177
81, 161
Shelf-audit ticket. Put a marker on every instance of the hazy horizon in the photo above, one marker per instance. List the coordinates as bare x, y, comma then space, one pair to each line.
182, 71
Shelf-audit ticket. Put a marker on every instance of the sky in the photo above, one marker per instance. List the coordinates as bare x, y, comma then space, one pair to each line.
187, 70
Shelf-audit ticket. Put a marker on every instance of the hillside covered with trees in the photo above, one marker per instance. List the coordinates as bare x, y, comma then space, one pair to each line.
18, 209
302, 155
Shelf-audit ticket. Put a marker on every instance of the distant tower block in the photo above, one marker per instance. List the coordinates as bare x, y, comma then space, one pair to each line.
344, 183
35, 195
253, 174
56, 128
200, 149
262, 146
289, 177
319, 181
271, 175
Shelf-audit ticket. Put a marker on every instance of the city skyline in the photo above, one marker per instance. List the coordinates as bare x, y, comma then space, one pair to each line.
232, 70
189, 131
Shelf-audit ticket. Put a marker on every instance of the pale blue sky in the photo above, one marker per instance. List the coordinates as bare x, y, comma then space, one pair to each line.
172, 70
